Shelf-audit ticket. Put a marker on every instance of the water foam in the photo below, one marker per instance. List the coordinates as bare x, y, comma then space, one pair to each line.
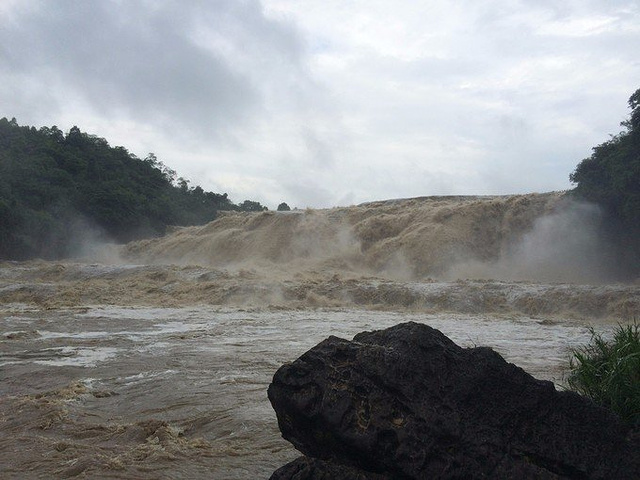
500, 237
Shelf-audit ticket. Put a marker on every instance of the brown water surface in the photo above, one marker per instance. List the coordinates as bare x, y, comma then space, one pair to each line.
154, 363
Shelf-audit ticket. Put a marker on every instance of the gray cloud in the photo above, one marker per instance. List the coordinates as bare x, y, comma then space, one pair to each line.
320, 152
306, 193
324, 101
156, 62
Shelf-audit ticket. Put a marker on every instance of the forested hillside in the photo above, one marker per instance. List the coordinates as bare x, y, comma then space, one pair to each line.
56, 188
610, 177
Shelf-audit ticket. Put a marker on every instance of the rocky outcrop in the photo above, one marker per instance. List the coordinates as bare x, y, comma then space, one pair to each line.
313, 468
408, 403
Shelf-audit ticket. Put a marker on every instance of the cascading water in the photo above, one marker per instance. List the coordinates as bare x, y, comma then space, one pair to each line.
156, 365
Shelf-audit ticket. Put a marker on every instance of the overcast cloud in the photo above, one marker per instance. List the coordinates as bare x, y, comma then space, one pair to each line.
321, 102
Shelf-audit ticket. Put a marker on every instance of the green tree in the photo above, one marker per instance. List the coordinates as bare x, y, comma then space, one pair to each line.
610, 177
283, 207
51, 182
251, 206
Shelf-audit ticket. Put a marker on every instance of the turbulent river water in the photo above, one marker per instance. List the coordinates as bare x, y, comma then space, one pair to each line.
155, 364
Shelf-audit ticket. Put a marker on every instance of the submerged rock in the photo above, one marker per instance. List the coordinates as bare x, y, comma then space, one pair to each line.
408, 403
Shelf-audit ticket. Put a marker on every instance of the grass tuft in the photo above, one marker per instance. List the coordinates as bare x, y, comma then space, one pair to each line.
608, 371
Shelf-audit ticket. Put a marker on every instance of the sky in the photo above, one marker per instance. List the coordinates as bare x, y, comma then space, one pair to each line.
321, 103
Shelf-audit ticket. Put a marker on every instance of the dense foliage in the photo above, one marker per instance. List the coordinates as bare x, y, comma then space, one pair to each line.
610, 177
55, 189
608, 372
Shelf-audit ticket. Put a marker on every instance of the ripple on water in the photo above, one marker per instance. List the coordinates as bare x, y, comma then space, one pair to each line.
181, 392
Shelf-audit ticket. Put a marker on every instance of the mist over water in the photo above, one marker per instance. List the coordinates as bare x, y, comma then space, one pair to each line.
152, 360
564, 246
536, 237
91, 243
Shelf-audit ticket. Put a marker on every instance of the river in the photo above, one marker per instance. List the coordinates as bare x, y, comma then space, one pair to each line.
152, 360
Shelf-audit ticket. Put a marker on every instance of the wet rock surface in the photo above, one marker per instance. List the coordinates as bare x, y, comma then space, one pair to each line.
313, 468
408, 403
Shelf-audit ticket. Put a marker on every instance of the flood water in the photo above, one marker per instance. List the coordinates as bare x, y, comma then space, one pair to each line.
180, 393
155, 362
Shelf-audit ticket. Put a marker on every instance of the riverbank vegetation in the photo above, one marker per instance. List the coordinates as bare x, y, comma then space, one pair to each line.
608, 371
57, 189
610, 178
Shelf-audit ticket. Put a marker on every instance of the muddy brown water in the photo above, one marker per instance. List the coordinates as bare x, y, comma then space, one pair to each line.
154, 363
142, 392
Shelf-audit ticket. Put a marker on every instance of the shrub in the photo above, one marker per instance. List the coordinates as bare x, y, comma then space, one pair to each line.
608, 371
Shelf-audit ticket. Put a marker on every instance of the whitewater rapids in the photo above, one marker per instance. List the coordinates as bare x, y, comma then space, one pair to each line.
154, 362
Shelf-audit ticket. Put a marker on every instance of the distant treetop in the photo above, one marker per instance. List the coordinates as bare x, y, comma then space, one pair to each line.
54, 188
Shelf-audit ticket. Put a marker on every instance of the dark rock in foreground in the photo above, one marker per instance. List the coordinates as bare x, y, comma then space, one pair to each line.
408, 403
312, 468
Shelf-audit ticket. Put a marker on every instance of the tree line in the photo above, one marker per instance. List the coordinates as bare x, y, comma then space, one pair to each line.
56, 187
610, 177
